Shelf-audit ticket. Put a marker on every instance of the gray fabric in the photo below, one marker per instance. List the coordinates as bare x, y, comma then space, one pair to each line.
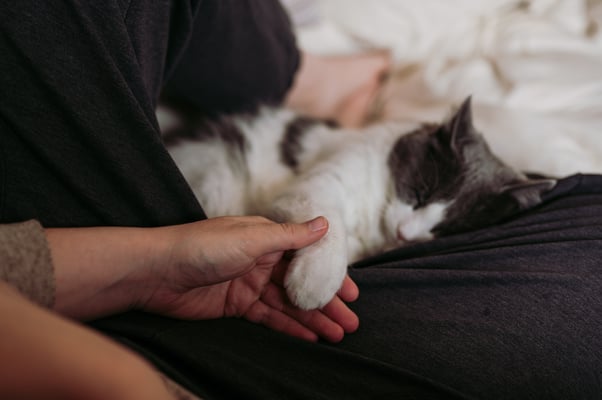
25, 261
512, 311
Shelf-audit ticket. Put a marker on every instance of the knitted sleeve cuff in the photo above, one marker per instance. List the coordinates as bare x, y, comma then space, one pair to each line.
25, 261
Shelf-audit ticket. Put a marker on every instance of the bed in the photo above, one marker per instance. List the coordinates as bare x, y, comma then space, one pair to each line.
534, 68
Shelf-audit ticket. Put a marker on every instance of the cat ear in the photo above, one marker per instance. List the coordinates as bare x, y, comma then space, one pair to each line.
528, 193
459, 129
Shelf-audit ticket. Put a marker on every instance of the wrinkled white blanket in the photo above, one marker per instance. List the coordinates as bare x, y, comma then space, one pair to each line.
534, 69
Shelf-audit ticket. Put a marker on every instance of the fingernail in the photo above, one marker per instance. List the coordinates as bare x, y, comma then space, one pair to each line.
318, 224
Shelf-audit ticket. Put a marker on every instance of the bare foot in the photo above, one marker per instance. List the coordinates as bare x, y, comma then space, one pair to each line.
341, 88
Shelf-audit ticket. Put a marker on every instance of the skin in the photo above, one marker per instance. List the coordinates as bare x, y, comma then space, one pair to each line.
340, 88
45, 356
221, 267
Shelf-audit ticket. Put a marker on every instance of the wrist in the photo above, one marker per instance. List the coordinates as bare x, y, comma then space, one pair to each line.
104, 270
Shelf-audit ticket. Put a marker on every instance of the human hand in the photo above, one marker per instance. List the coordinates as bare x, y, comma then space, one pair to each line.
220, 267
234, 267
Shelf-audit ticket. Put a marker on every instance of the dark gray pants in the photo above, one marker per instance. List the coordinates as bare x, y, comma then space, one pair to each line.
79, 81
510, 312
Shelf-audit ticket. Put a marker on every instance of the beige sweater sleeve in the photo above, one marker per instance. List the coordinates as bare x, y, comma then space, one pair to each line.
25, 261
25, 264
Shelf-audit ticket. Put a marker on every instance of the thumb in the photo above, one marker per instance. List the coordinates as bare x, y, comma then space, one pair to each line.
291, 236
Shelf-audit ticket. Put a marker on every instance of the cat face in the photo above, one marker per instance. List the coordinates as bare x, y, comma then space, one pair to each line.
446, 180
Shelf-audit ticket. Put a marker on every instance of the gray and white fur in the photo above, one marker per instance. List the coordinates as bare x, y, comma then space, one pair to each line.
379, 187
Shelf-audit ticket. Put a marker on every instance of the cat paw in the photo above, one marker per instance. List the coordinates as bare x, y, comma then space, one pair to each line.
314, 277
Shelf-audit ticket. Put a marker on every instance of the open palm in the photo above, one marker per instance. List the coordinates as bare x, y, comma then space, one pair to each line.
233, 267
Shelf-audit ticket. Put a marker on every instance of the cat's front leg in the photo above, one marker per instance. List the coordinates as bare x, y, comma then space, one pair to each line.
316, 272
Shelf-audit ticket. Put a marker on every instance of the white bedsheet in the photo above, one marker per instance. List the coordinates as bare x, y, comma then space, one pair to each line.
534, 69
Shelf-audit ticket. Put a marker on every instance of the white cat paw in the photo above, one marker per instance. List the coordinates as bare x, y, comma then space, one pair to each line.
314, 276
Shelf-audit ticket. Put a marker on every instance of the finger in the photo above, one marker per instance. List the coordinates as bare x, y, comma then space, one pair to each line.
287, 236
314, 320
349, 291
279, 272
261, 313
338, 312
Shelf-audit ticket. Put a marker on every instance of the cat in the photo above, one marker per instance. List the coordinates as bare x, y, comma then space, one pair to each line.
379, 187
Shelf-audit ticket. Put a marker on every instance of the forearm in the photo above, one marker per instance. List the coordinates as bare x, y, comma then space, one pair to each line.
206, 269
338, 88
47, 357
102, 270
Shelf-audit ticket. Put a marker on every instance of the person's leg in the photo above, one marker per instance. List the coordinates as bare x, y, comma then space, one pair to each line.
241, 54
79, 141
339, 88
474, 313
508, 312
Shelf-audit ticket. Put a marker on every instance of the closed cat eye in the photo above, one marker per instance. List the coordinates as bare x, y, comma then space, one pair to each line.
420, 197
